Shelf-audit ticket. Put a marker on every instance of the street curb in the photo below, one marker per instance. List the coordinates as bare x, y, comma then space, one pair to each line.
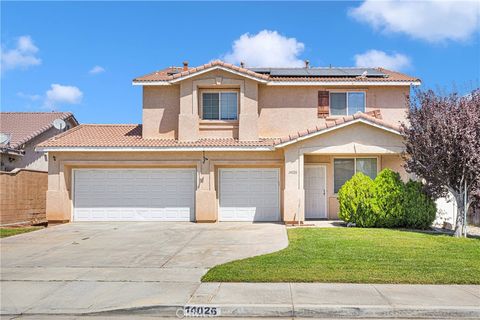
299, 311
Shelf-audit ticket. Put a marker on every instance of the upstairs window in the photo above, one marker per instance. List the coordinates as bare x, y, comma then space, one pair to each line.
346, 103
220, 105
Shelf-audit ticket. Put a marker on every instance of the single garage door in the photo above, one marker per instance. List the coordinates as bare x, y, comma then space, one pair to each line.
249, 194
134, 194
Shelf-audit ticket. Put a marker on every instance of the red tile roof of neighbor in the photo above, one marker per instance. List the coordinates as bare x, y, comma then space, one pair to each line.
174, 73
130, 136
24, 126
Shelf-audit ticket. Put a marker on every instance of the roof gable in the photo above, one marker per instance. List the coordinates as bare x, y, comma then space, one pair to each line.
170, 78
338, 124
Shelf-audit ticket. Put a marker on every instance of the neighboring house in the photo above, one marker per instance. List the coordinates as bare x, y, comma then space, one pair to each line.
22, 131
221, 142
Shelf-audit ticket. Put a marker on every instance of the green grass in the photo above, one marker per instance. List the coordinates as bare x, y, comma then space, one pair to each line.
354, 255
8, 232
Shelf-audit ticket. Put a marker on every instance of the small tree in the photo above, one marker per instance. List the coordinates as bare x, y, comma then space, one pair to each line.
443, 147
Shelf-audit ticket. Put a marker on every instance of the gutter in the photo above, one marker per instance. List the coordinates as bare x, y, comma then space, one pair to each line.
150, 149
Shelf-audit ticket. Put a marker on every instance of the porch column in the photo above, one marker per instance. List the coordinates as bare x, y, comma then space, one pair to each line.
294, 199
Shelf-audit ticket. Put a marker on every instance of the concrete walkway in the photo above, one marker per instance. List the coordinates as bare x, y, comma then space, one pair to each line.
289, 300
149, 270
89, 267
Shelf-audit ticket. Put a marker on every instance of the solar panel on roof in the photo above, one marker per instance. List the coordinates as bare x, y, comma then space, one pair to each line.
320, 72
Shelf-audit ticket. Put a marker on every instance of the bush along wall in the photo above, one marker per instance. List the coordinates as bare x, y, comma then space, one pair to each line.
385, 202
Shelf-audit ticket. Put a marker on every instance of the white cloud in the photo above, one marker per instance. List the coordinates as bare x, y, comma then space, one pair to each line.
59, 94
32, 97
22, 56
429, 20
266, 49
377, 58
96, 69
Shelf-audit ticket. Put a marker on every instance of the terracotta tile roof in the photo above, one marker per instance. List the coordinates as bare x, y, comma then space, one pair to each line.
130, 135
173, 73
24, 126
374, 117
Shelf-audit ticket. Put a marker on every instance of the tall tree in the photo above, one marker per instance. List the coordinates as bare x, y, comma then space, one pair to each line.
442, 139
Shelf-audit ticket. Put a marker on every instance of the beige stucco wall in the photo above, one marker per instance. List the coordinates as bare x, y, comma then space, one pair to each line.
264, 111
161, 106
175, 111
287, 110
357, 140
59, 196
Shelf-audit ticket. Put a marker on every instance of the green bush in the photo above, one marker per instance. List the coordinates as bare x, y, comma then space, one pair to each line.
387, 203
420, 209
355, 201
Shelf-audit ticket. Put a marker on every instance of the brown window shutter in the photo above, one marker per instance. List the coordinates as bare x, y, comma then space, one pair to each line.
323, 104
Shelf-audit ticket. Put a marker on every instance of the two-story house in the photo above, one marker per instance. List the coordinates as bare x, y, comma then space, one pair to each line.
221, 142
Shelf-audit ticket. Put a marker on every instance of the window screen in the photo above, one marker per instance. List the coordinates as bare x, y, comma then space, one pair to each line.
367, 166
220, 105
356, 102
343, 170
228, 105
338, 103
211, 105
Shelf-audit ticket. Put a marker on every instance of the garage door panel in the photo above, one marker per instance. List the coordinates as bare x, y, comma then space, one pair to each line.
249, 194
134, 195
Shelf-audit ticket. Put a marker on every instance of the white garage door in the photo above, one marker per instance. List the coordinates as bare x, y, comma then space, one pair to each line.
134, 194
249, 195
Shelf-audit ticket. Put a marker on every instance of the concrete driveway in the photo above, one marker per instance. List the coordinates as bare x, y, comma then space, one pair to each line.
90, 267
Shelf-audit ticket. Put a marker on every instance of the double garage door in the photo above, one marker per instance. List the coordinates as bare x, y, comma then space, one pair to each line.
169, 195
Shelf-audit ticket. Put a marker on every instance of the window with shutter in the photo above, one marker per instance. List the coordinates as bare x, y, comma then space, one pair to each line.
323, 104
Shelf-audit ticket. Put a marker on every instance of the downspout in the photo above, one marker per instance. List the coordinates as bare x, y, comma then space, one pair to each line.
300, 163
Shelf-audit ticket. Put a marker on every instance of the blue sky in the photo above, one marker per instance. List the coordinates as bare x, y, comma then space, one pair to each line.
50, 49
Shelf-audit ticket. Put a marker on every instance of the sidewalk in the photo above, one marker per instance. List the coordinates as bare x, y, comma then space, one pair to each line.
373, 301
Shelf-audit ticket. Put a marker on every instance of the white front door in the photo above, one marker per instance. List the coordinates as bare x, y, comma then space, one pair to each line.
134, 194
315, 191
250, 194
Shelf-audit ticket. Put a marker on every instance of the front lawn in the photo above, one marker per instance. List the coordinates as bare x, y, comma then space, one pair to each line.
360, 256
7, 232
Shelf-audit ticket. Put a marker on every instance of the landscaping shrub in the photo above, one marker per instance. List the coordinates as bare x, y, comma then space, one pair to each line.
388, 192
420, 209
355, 201
385, 202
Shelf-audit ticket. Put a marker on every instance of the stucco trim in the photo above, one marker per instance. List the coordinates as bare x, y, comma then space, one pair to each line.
314, 134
